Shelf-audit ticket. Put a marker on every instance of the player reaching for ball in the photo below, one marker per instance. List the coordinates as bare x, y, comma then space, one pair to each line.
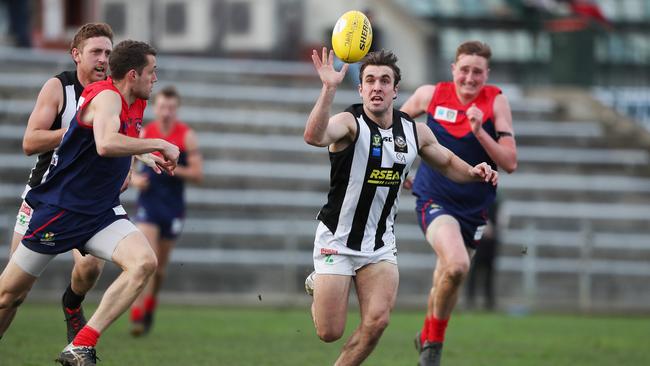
474, 121
371, 147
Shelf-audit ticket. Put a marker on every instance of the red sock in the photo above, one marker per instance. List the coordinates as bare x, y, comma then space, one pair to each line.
424, 334
149, 304
87, 336
136, 314
437, 328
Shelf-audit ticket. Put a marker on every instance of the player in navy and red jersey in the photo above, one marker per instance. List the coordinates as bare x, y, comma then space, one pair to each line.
474, 121
78, 205
161, 200
55, 108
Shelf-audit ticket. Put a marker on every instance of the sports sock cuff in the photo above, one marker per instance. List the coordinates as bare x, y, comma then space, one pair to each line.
149, 304
71, 300
438, 329
87, 337
136, 314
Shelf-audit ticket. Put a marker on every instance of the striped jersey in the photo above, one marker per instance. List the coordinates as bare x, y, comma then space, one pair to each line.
366, 179
72, 90
79, 179
447, 119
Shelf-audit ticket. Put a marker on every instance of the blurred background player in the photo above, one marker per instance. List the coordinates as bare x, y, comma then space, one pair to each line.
371, 148
474, 121
55, 107
161, 198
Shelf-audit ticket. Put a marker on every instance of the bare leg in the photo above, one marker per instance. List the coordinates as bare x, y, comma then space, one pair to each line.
14, 287
7, 315
163, 251
138, 262
152, 233
452, 267
85, 273
376, 286
330, 306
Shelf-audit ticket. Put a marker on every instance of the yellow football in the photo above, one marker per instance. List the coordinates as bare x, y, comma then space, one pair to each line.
352, 36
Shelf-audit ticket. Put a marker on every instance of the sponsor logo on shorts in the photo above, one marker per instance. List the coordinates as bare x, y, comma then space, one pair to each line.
48, 239
329, 259
25, 209
433, 207
22, 219
328, 251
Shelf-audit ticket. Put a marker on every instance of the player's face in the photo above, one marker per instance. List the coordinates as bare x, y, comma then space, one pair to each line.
144, 82
378, 88
92, 58
470, 73
165, 108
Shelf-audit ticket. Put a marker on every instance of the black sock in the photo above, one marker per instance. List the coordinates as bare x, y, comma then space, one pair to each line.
72, 300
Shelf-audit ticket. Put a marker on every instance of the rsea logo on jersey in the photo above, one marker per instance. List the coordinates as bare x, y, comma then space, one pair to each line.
384, 177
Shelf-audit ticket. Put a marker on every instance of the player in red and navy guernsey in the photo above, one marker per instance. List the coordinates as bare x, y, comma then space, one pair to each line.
474, 121
78, 206
161, 198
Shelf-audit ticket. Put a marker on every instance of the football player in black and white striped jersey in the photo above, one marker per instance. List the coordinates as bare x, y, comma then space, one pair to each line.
372, 147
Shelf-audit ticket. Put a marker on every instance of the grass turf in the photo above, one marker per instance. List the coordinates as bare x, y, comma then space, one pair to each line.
261, 336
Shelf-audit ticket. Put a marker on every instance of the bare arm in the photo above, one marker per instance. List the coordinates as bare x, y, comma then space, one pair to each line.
193, 172
417, 104
38, 136
503, 151
321, 130
103, 114
448, 163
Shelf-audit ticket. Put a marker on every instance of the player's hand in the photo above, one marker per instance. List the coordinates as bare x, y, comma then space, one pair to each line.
325, 68
170, 153
484, 172
408, 183
475, 116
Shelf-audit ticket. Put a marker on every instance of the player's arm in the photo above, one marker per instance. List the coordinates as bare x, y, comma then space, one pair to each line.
104, 115
448, 163
321, 130
38, 136
504, 150
193, 172
417, 104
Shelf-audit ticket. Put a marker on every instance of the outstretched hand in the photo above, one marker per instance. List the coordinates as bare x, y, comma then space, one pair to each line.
325, 68
485, 173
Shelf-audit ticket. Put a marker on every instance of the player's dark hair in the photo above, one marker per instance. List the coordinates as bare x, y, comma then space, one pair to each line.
477, 48
169, 92
129, 55
381, 58
91, 30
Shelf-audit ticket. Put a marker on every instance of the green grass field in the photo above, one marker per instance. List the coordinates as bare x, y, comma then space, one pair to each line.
251, 336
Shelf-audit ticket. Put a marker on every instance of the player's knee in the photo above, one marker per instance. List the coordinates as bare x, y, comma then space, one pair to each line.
11, 300
456, 272
329, 335
89, 270
147, 265
376, 325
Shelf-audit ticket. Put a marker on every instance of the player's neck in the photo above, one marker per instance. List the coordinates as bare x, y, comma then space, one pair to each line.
125, 90
465, 98
383, 120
